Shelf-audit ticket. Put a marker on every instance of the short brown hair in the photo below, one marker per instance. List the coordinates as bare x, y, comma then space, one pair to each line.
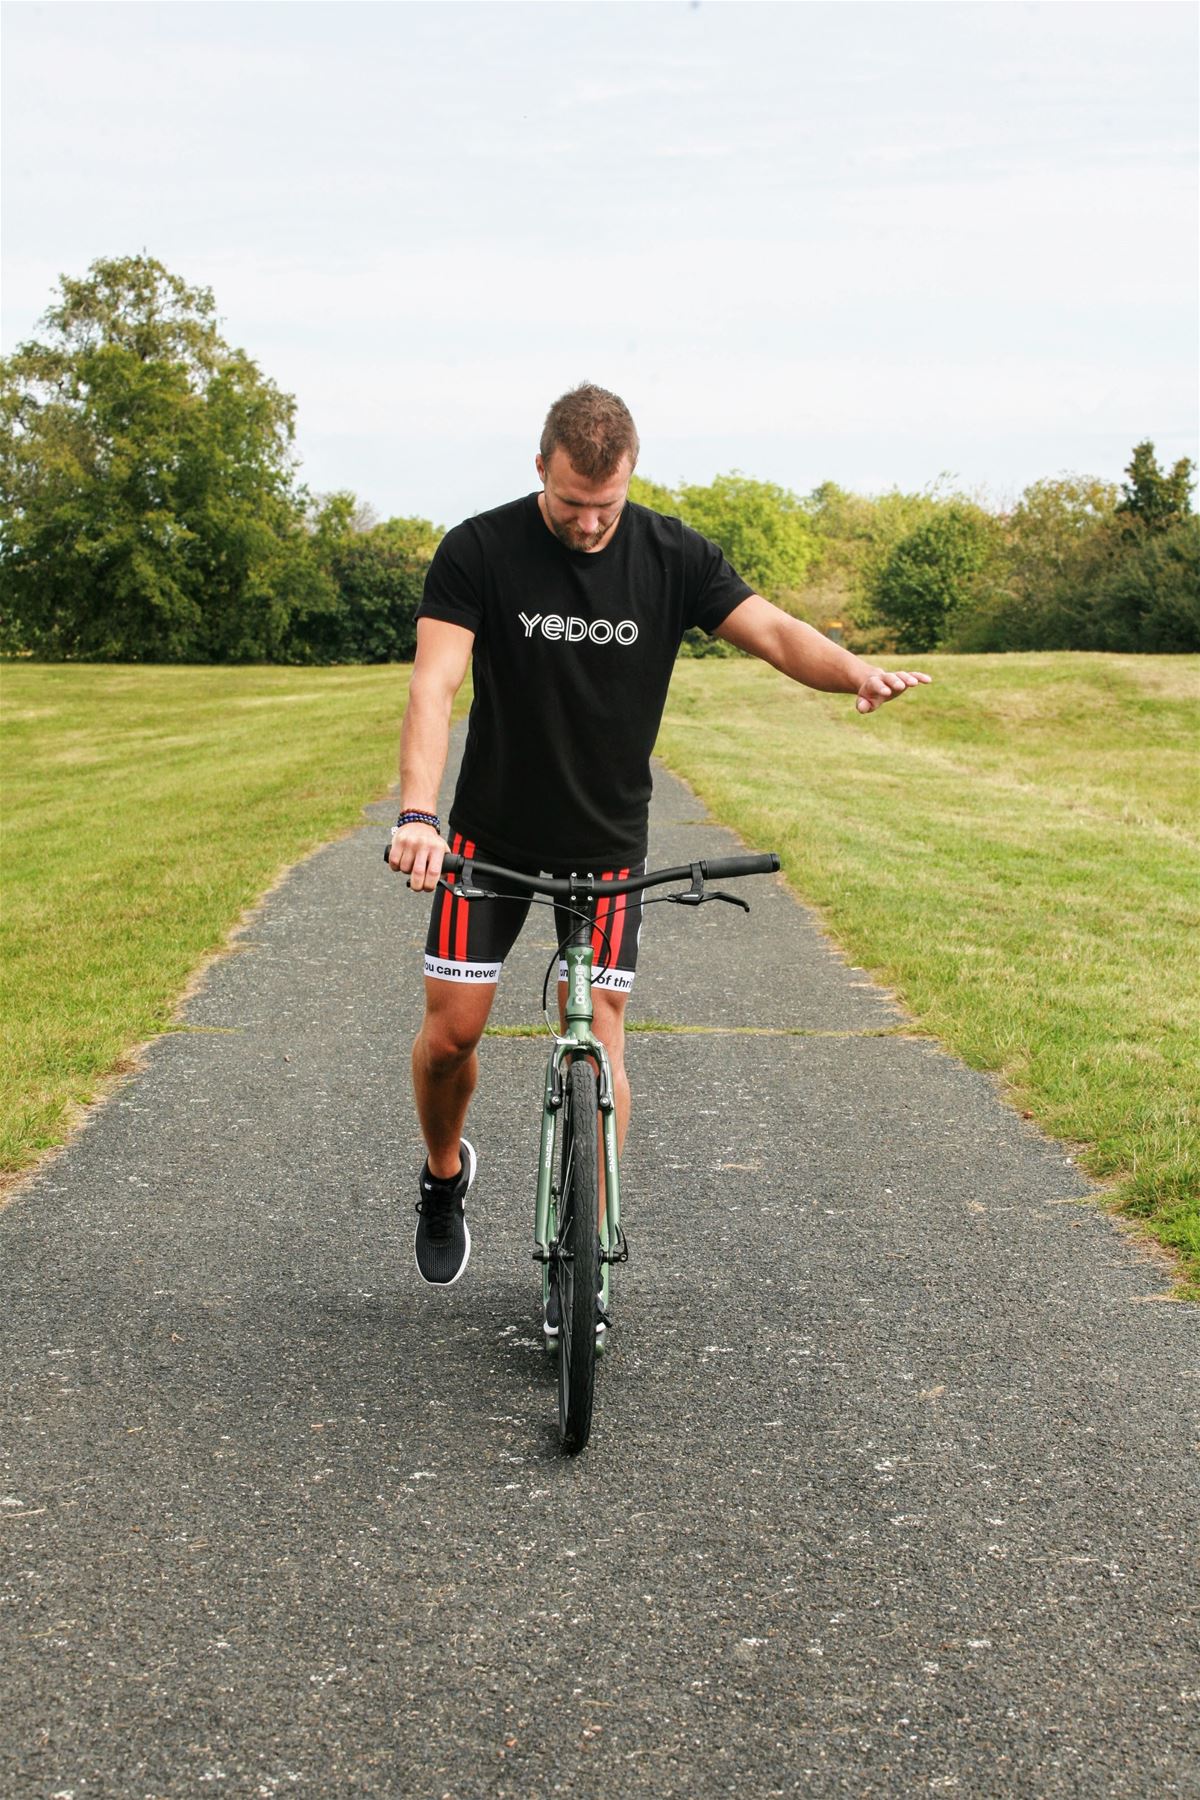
594, 427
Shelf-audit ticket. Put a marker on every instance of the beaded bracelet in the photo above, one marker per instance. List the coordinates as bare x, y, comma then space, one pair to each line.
413, 817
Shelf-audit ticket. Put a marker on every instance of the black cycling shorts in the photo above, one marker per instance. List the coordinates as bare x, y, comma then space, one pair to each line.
468, 940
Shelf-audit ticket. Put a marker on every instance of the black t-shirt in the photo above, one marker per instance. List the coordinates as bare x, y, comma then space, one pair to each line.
572, 659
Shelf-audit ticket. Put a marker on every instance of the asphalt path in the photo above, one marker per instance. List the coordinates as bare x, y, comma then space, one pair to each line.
893, 1480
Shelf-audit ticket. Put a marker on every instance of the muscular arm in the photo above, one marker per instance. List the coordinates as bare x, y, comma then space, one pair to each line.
443, 653
807, 656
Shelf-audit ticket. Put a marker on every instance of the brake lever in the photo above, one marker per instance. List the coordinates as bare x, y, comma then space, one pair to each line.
465, 887
690, 899
697, 894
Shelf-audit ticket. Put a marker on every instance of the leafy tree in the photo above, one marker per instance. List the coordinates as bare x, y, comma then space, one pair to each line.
379, 578
1054, 521
1151, 499
931, 575
1083, 568
654, 495
1058, 544
763, 529
1150, 598
855, 534
147, 483
414, 538
332, 518
375, 616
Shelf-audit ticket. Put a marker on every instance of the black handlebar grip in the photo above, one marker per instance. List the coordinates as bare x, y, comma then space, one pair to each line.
717, 867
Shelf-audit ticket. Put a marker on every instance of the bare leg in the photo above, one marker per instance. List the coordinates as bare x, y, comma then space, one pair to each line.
445, 1066
609, 1026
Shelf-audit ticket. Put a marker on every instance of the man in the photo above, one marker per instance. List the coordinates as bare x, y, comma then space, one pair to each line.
570, 605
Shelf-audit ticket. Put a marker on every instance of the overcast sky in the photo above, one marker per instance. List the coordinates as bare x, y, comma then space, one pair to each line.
859, 242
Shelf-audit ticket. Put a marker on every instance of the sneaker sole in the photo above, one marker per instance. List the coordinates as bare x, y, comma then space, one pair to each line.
550, 1332
470, 1160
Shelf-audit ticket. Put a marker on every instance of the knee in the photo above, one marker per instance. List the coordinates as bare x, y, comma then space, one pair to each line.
445, 1045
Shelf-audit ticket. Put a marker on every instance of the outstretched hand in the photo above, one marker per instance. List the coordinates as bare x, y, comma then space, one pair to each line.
881, 687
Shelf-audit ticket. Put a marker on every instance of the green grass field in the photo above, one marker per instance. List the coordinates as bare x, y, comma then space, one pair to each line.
144, 810
1012, 851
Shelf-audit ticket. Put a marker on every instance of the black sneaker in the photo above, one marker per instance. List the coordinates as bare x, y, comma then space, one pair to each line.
443, 1242
552, 1314
551, 1318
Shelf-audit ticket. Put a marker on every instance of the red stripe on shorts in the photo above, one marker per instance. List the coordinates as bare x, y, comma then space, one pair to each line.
460, 935
447, 903
618, 922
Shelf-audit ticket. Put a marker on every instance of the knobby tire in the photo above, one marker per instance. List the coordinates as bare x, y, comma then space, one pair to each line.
578, 1266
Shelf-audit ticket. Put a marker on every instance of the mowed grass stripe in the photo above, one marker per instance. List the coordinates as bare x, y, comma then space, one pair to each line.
144, 810
1014, 853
